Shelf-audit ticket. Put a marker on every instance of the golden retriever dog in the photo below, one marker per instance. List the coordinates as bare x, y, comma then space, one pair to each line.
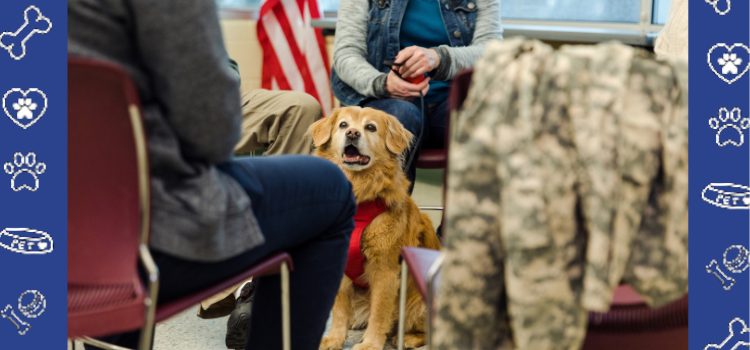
367, 145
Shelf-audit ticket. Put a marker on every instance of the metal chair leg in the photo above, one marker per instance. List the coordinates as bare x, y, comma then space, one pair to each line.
431, 273
285, 316
147, 332
402, 306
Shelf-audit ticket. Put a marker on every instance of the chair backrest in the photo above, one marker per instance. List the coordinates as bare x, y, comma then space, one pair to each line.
105, 204
459, 89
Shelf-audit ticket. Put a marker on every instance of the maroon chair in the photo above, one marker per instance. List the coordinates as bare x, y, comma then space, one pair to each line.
108, 214
438, 158
424, 264
432, 159
629, 324
632, 324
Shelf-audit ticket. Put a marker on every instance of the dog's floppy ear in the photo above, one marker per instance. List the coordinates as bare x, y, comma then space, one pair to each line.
322, 129
397, 138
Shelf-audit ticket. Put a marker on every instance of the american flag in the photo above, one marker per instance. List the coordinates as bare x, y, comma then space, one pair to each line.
294, 55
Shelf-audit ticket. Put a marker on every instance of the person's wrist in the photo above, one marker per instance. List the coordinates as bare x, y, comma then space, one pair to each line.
380, 85
435, 57
440, 73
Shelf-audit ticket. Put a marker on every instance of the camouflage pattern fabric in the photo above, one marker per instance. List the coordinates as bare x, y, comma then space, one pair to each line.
568, 174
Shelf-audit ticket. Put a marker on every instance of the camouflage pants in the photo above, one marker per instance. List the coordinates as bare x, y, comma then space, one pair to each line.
567, 175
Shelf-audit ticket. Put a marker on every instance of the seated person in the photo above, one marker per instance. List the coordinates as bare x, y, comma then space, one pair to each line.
215, 216
425, 36
276, 121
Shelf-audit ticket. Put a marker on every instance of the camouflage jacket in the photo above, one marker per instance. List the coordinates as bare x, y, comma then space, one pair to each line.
568, 174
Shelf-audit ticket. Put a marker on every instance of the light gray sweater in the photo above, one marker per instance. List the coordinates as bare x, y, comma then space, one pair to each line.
350, 49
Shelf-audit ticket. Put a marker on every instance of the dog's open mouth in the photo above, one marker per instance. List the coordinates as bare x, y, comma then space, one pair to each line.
352, 156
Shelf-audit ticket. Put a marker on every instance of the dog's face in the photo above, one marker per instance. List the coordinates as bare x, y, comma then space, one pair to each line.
356, 138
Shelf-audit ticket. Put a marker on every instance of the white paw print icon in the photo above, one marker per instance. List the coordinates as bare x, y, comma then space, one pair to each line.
736, 122
729, 63
25, 108
24, 165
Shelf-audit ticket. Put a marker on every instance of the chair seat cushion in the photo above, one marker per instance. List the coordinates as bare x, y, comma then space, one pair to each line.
630, 314
431, 159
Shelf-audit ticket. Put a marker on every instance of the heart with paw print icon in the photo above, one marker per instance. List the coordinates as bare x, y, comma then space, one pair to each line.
729, 63
24, 108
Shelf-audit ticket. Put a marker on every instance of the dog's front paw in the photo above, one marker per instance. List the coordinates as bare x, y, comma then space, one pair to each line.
412, 341
332, 343
365, 346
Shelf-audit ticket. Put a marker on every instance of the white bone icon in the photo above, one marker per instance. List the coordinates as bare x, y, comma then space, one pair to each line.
730, 64
715, 3
732, 121
34, 23
20, 162
22, 326
726, 281
24, 110
737, 343
26, 241
33, 309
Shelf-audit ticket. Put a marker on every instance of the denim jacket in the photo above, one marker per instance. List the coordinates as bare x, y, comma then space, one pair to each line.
383, 27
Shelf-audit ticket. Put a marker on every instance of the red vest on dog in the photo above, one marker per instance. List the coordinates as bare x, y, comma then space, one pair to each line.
366, 212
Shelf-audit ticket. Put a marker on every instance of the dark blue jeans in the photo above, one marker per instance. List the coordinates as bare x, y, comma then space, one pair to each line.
410, 115
305, 206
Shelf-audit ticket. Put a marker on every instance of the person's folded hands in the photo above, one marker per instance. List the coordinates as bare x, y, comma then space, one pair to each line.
417, 61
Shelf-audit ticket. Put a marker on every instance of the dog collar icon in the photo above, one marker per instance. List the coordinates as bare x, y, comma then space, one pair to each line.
725, 195
26, 241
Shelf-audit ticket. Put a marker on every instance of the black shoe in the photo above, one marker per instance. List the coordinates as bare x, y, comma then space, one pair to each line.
238, 325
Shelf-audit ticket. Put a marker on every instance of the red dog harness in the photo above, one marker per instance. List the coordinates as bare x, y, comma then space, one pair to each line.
366, 212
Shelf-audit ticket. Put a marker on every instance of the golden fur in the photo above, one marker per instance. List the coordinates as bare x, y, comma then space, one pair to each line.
401, 225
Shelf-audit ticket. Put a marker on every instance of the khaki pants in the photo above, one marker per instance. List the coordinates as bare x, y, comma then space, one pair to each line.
278, 121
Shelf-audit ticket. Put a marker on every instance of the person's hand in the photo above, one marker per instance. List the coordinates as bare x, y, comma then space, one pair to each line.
417, 61
404, 90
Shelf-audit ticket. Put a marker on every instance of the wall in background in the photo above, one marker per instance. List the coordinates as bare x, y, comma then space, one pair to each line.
241, 41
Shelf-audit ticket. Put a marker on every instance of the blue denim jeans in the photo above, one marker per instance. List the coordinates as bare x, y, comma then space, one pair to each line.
410, 115
305, 206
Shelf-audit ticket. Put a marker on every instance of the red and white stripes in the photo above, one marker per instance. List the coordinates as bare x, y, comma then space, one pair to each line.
294, 56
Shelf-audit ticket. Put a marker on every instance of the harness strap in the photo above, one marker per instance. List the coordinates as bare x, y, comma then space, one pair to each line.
366, 212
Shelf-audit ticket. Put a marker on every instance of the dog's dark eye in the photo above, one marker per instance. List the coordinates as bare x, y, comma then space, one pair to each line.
371, 128
343, 125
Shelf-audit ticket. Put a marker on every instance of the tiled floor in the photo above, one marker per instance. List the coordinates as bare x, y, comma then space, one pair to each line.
188, 332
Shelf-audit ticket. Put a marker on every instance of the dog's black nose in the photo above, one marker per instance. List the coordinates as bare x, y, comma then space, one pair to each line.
353, 134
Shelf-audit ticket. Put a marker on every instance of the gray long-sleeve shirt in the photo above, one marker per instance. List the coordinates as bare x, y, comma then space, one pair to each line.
350, 48
174, 52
